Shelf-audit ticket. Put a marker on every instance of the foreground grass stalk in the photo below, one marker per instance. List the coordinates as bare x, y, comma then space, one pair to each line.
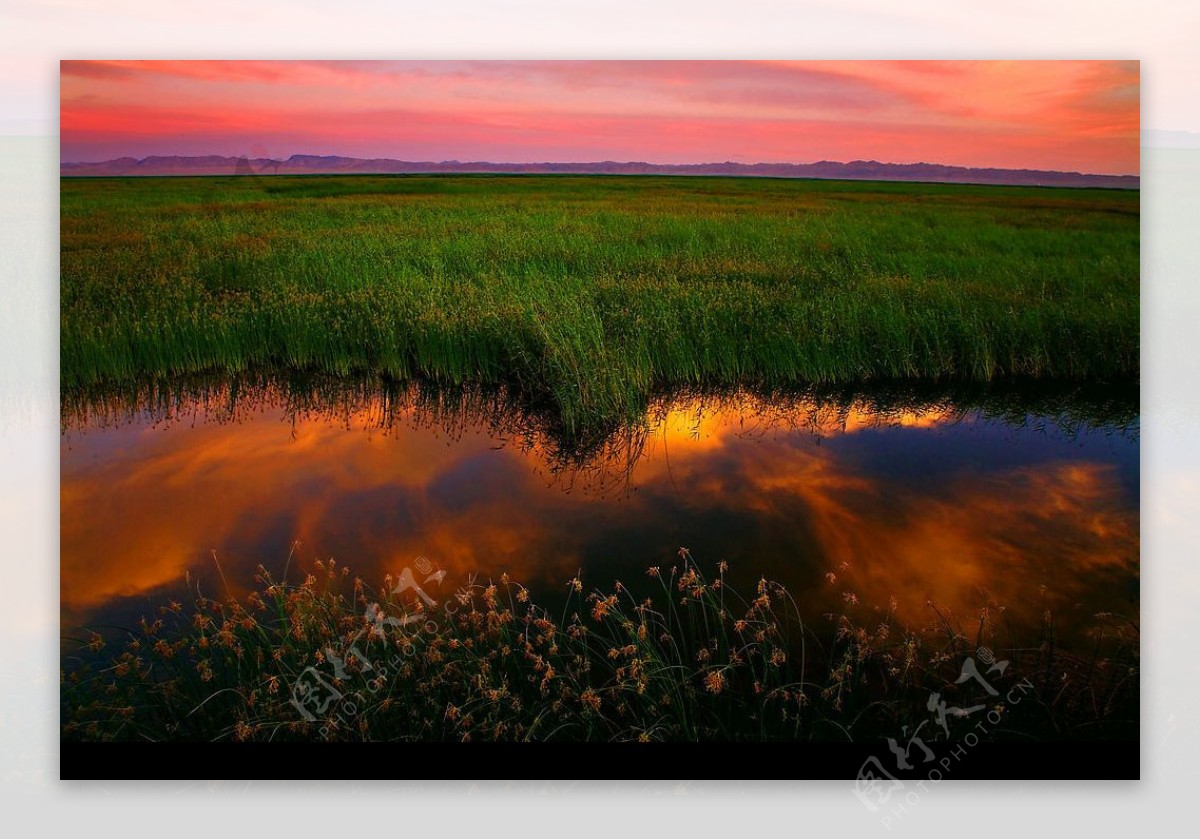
696, 662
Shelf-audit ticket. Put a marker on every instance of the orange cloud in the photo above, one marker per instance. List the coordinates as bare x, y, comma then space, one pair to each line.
769, 487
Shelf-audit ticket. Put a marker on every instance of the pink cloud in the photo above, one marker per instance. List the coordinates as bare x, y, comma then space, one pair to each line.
1055, 115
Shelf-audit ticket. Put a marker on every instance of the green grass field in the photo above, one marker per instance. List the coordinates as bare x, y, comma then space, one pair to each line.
591, 293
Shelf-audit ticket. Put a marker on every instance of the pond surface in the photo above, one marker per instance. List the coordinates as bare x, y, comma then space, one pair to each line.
905, 507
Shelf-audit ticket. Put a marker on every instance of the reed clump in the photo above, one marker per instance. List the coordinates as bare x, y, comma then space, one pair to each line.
332, 658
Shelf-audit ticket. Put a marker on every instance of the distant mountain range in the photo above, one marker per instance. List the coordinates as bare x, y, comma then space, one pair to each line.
858, 170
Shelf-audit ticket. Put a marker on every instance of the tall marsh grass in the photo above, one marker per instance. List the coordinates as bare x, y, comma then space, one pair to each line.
589, 293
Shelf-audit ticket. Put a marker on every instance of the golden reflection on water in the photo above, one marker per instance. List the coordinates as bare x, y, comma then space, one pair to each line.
768, 486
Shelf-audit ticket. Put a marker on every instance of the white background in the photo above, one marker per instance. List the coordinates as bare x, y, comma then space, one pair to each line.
34, 36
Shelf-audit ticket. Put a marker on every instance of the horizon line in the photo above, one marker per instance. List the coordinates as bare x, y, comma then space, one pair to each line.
607, 161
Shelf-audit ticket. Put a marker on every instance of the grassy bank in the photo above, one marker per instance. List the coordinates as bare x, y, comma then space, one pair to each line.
692, 660
589, 293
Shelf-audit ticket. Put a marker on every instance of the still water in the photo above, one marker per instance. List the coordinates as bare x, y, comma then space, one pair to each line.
905, 505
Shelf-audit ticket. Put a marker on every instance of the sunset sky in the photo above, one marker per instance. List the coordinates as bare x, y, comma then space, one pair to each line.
1071, 115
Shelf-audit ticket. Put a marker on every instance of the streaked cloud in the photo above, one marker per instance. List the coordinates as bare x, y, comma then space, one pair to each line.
1071, 115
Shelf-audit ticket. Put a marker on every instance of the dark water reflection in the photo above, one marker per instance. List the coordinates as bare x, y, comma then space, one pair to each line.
1028, 502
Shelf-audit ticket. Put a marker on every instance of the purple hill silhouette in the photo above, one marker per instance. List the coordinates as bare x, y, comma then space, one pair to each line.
854, 170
